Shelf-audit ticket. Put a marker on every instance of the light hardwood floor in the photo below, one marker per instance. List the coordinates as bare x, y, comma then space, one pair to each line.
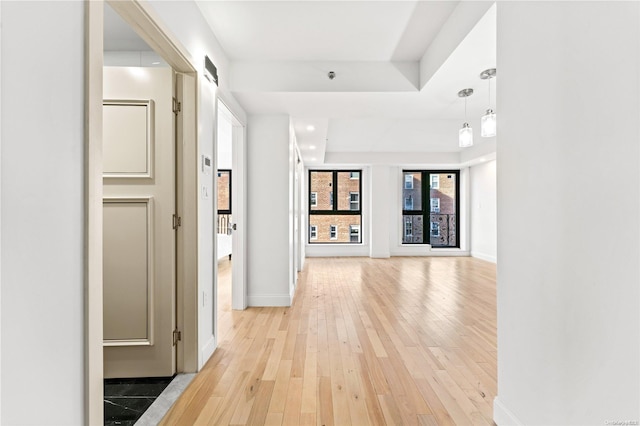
367, 341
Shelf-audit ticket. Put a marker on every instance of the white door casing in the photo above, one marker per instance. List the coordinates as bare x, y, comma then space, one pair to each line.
139, 237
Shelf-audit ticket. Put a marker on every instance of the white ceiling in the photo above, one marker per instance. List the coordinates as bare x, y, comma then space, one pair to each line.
326, 30
399, 65
118, 35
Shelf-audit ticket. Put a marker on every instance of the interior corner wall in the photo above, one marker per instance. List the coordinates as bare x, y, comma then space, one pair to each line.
483, 211
568, 205
269, 212
42, 212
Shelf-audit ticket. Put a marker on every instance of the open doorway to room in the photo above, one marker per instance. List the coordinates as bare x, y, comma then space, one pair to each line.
139, 250
146, 191
224, 218
229, 220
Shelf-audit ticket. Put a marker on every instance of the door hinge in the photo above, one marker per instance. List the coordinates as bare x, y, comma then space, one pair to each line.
177, 221
177, 337
177, 106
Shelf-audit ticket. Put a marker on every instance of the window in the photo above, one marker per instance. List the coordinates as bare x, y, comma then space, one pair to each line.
336, 208
224, 191
223, 218
408, 181
408, 203
354, 201
431, 209
435, 181
354, 233
435, 205
408, 228
333, 232
435, 229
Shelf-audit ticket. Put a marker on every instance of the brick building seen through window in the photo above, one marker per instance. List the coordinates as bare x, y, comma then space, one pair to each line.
430, 208
335, 206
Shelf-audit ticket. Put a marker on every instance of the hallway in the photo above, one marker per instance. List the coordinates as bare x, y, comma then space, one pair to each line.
367, 341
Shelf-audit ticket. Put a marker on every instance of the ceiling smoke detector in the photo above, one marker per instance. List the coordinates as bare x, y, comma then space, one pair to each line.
331, 75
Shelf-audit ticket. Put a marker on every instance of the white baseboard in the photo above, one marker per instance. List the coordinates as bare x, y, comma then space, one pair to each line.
337, 250
264, 300
487, 257
206, 351
502, 416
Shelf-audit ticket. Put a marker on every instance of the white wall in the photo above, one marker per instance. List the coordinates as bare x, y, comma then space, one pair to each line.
206, 229
0, 215
569, 209
379, 190
483, 211
184, 19
269, 210
224, 141
42, 213
293, 210
186, 22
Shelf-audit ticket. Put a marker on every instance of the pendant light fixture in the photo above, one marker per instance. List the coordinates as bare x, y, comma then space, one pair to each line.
488, 121
465, 135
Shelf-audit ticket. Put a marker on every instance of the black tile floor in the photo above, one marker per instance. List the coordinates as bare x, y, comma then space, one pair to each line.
125, 400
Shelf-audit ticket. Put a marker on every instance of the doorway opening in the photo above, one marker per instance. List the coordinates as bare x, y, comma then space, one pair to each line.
224, 219
141, 212
229, 219
139, 242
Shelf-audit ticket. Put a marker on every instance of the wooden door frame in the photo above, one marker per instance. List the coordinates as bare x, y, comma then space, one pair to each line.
145, 22
238, 207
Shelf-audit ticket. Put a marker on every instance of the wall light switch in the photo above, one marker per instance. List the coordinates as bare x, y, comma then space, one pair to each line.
207, 164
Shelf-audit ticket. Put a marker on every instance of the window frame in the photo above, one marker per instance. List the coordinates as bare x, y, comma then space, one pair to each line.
437, 208
408, 224
355, 228
334, 205
313, 199
406, 181
437, 226
437, 186
351, 194
405, 205
425, 211
313, 232
333, 230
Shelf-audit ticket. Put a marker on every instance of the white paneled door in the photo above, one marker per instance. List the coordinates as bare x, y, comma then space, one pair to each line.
139, 236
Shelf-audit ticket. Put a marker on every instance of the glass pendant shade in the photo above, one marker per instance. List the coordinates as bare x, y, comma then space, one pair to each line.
488, 124
465, 136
